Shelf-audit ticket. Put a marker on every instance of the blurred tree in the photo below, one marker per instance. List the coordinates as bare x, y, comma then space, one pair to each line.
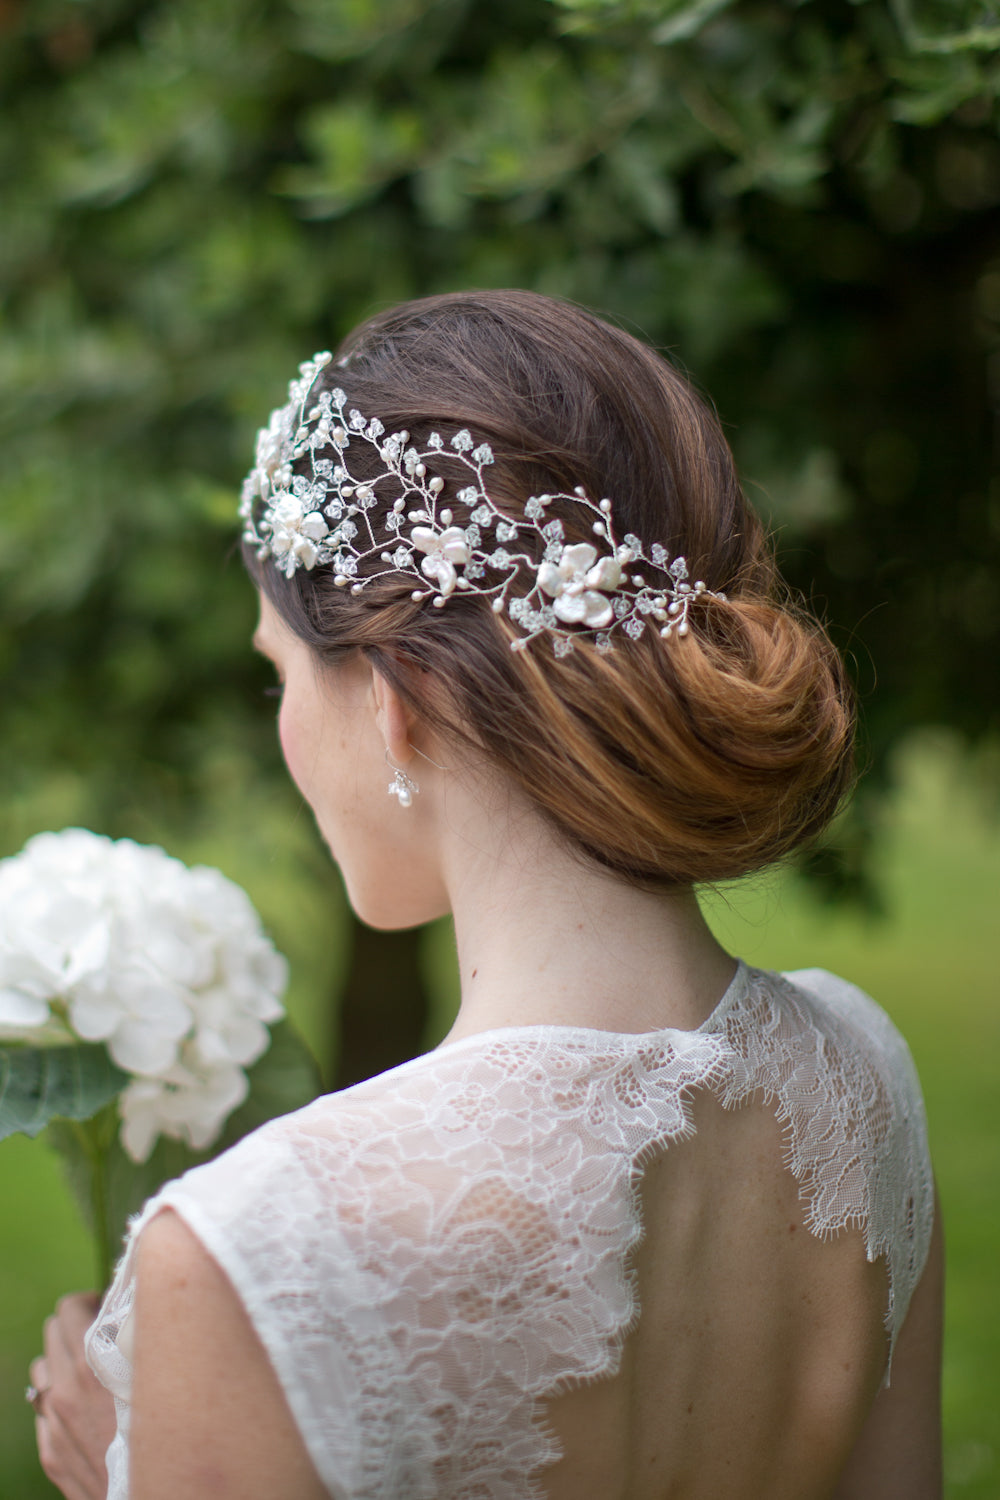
798, 197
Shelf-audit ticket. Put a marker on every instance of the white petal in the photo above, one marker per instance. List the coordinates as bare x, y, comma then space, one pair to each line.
314, 526
439, 570
140, 1048
550, 580
305, 551
90, 954
29, 975
139, 1131
607, 574
571, 608
597, 610
151, 999
424, 539
247, 1039
454, 545
94, 1016
209, 1048
21, 1012
203, 1109
270, 973
577, 559
144, 1109
184, 956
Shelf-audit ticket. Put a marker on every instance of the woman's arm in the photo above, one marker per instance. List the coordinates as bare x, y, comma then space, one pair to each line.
898, 1455
209, 1418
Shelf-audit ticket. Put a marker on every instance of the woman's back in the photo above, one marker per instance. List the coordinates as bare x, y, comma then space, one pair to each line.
448, 1288
759, 1348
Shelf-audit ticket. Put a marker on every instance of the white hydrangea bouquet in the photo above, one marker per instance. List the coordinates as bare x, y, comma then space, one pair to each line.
135, 993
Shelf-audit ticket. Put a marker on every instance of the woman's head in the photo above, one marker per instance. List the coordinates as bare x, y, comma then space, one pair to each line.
669, 761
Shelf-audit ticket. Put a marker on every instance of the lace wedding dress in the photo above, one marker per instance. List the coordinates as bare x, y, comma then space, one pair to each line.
428, 1255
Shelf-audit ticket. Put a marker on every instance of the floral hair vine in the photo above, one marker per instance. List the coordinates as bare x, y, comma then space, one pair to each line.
323, 517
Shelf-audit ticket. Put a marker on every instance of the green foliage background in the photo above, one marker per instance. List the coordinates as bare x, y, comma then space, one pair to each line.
798, 197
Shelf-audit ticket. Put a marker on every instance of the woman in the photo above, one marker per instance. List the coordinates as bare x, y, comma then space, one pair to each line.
648, 1223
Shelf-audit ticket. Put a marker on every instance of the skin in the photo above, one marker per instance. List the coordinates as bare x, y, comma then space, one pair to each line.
542, 937
75, 1420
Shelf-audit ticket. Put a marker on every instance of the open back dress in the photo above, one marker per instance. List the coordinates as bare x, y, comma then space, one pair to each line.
430, 1258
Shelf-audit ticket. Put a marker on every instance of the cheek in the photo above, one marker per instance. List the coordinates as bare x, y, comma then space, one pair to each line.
290, 739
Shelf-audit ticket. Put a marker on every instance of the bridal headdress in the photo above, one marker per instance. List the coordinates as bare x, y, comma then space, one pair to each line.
303, 508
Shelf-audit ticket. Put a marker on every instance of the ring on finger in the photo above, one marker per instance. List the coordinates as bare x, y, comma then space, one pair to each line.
34, 1398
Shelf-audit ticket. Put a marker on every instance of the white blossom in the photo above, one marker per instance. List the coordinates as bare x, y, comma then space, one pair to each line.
576, 583
167, 966
445, 550
296, 529
188, 1103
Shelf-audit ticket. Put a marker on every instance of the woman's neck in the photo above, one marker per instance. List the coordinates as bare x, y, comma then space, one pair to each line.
546, 937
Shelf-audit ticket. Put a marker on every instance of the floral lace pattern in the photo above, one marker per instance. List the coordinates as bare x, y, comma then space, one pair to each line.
427, 1256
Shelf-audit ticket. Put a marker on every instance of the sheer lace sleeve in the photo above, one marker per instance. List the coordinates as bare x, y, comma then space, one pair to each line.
258, 1213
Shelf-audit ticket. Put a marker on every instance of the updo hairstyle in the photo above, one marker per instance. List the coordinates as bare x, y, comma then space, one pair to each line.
671, 762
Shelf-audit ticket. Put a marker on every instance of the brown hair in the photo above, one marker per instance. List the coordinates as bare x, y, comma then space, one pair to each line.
670, 761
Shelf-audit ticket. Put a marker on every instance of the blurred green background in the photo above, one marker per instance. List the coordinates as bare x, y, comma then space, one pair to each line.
797, 198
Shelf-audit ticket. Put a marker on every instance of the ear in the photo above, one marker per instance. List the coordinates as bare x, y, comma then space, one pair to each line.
393, 718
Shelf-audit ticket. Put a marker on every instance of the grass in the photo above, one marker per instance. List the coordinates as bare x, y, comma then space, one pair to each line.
929, 961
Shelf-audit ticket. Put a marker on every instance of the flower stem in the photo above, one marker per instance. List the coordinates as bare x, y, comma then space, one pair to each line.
92, 1136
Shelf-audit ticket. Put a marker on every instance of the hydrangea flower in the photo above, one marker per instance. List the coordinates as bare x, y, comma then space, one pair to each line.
115, 942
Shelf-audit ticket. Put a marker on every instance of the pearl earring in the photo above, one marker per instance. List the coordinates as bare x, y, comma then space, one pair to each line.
401, 785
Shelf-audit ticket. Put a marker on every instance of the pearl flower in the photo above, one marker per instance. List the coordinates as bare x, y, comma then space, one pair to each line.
444, 549
574, 581
295, 532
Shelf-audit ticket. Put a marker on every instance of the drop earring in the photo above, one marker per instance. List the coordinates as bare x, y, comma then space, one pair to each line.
401, 786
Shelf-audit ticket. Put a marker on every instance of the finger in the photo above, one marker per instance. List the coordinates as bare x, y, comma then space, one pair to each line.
57, 1356
75, 1314
64, 1335
63, 1457
60, 1460
82, 1306
74, 1399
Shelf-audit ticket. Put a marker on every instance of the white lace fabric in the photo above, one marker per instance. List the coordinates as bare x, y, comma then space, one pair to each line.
428, 1256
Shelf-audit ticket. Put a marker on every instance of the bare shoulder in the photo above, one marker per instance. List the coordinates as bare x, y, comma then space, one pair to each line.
170, 1257
209, 1417
898, 1454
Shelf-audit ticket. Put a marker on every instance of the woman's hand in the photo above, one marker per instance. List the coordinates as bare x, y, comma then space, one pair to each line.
74, 1414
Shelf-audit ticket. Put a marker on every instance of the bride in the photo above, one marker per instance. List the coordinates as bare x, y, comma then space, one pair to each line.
648, 1224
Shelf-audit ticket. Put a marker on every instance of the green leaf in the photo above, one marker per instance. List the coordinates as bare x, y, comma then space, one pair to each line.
39, 1083
948, 25
357, 149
